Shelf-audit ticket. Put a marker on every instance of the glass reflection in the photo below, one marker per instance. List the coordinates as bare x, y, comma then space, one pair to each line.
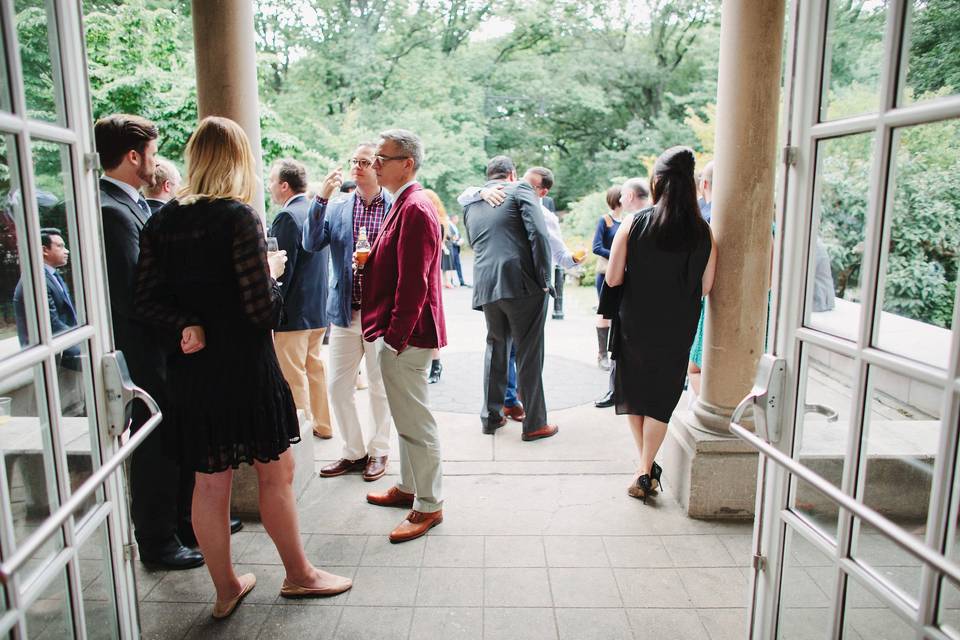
96, 577
864, 616
921, 255
49, 615
932, 51
840, 218
18, 321
77, 427
853, 58
42, 83
808, 584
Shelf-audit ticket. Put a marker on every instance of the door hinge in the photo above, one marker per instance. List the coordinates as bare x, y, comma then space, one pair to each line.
130, 552
789, 156
759, 562
91, 161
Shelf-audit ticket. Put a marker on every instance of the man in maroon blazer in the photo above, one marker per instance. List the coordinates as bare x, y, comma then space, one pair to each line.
402, 311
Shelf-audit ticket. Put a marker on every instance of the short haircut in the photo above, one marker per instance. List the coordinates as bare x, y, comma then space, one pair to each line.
408, 142
500, 168
46, 235
165, 170
118, 134
613, 197
546, 176
348, 186
639, 186
293, 173
707, 174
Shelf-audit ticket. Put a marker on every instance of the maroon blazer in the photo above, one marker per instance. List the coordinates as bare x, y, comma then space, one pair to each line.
401, 279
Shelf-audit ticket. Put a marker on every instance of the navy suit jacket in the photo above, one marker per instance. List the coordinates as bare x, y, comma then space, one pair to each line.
332, 225
63, 315
304, 280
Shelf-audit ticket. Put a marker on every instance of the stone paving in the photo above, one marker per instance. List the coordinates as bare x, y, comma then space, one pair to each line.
539, 540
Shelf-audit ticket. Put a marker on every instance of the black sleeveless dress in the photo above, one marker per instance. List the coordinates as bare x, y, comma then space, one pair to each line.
206, 264
657, 321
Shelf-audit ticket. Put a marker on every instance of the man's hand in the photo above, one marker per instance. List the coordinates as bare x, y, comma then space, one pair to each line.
193, 339
493, 196
276, 260
331, 183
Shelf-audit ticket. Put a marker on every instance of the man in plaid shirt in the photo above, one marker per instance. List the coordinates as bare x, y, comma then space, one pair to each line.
336, 222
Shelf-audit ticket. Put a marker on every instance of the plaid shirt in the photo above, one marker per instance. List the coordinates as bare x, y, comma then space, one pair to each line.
370, 217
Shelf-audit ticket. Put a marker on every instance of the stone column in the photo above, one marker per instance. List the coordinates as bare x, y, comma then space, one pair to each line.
224, 44
714, 474
748, 101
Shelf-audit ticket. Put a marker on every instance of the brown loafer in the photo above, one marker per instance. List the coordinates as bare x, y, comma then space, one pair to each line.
515, 413
290, 590
392, 497
376, 467
323, 432
545, 431
343, 466
416, 524
223, 609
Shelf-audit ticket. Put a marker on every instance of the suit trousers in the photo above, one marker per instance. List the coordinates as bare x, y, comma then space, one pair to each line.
299, 355
347, 349
405, 379
522, 321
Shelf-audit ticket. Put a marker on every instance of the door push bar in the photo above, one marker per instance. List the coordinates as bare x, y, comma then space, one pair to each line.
120, 389
766, 397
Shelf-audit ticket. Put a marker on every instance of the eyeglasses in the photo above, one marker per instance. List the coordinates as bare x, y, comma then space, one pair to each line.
383, 159
362, 163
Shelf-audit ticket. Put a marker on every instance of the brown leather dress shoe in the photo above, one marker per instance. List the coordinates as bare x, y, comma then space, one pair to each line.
515, 413
392, 497
416, 524
376, 467
343, 466
545, 431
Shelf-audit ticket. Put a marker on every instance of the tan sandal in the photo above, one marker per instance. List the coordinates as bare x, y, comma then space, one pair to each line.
223, 610
291, 590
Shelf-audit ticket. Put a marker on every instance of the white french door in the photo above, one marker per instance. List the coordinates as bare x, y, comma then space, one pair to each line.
857, 533
66, 561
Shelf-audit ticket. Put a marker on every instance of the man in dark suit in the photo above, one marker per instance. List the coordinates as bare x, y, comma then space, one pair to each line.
402, 311
166, 183
299, 338
511, 280
160, 493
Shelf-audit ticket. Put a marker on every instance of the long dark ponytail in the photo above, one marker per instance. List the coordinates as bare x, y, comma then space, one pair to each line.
675, 222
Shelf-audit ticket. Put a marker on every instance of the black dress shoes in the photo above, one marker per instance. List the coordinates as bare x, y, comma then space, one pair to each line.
172, 556
189, 538
605, 401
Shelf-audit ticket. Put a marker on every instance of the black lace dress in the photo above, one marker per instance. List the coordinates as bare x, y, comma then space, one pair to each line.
205, 264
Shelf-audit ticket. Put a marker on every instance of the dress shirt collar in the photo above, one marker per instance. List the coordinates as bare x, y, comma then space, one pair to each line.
396, 195
292, 198
127, 188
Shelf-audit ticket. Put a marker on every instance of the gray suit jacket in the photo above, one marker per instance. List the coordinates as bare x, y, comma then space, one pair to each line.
510, 244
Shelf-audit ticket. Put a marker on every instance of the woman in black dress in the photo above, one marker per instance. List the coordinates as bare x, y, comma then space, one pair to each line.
205, 277
665, 258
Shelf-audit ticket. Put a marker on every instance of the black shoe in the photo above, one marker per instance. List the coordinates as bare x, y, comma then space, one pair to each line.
655, 472
189, 538
468, 286
435, 370
493, 423
641, 490
605, 401
172, 556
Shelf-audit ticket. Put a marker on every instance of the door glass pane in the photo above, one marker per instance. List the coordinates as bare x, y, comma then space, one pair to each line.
921, 255
4, 78
28, 455
78, 426
18, 318
42, 83
840, 217
948, 615
866, 618
853, 58
932, 55
49, 615
57, 210
808, 585
96, 576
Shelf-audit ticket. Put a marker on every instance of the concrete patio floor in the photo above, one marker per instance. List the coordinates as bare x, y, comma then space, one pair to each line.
539, 539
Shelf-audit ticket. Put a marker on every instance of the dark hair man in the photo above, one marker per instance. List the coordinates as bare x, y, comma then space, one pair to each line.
63, 315
299, 338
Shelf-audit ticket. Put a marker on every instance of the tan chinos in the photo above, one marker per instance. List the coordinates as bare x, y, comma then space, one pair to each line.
299, 355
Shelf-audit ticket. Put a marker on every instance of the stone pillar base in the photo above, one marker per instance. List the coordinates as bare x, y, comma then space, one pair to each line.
713, 477
244, 501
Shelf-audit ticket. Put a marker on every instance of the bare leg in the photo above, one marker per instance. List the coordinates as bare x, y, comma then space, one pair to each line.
654, 432
694, 373
602, 322
636, 430
278, 511
211, 524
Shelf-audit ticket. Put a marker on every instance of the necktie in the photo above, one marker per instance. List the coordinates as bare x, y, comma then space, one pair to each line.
63, 288
143, 205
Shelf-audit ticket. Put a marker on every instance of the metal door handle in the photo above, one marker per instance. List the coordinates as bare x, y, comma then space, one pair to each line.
765, 398
121, 391
828, 412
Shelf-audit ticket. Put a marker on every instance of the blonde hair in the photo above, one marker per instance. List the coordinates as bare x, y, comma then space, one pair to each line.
441, 210
220, 163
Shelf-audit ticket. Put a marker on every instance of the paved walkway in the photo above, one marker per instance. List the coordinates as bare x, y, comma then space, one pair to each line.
539, 540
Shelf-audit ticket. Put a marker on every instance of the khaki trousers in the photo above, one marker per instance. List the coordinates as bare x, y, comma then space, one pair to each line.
299, 355
405, 379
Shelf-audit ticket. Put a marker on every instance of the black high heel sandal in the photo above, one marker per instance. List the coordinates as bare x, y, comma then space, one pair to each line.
641, 490
655, 472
